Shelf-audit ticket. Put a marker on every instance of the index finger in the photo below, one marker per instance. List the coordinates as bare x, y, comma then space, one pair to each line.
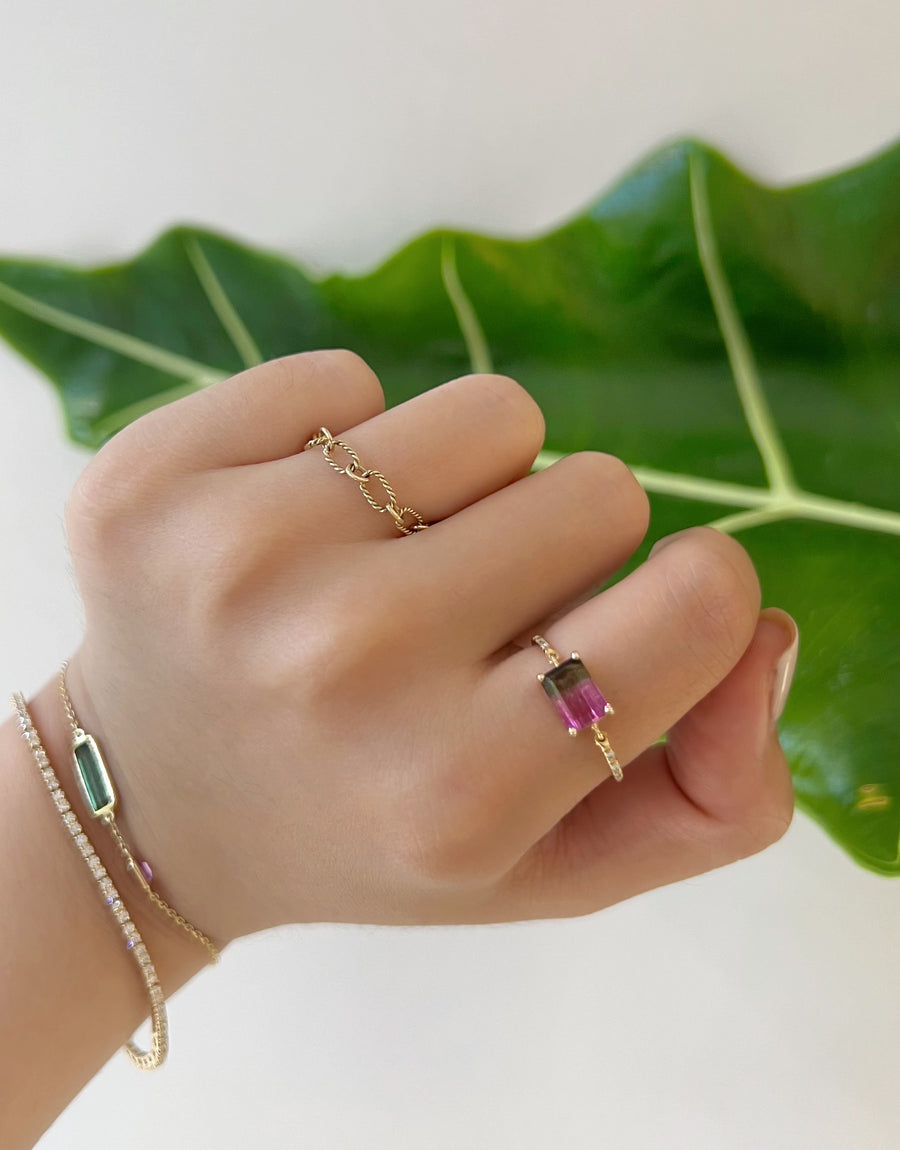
264, 413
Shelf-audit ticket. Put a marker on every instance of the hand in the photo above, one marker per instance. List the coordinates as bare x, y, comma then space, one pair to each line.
311, 717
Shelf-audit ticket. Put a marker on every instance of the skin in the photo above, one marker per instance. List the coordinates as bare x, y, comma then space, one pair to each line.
310, 717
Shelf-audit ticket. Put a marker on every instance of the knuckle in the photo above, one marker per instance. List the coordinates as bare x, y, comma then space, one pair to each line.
433, 860
344, 358
464, 845
453, 837
330, 362
715, 592
602, 483
450, 852
344, 636
340, 359
599, 469
448, 858
103, 496
343, 361
513, 401
326, 358
89, 501
763, 824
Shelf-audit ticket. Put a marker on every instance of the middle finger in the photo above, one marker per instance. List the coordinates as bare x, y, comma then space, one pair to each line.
512, 558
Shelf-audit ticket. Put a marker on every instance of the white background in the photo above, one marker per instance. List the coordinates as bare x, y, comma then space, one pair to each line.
757, 1007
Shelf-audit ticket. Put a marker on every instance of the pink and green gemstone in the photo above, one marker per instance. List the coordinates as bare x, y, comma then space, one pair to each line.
577, 698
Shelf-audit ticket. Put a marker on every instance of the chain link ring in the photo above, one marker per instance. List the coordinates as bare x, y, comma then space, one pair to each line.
363, 476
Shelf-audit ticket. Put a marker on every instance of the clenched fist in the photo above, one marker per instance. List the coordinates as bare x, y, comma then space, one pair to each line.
313, 717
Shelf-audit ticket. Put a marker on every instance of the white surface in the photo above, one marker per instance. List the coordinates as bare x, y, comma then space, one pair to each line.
756, 1008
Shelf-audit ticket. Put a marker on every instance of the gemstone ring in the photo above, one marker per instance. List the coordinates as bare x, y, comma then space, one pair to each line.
577, 698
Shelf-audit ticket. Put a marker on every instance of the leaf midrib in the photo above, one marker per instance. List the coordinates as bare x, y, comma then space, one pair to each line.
781, 498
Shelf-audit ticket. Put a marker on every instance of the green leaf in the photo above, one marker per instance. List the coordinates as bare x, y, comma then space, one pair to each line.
738, 346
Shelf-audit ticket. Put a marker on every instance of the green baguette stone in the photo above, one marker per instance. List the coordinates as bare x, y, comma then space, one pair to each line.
96, 785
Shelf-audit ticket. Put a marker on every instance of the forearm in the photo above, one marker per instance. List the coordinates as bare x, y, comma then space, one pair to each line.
70, 995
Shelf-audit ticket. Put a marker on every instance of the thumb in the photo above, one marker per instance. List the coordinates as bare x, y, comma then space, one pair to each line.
724, 753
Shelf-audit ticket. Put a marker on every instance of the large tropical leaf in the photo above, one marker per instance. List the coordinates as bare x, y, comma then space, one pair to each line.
738, 346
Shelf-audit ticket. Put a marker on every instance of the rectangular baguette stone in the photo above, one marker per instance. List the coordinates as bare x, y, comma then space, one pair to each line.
574, 693
96, 785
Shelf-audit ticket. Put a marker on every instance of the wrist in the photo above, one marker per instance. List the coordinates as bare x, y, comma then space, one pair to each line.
70, 992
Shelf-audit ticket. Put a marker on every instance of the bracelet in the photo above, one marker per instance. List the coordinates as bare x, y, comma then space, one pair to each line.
159, 1043
99, 794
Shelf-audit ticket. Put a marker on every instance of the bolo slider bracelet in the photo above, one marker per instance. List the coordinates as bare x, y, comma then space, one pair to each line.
159, 1043
96, 786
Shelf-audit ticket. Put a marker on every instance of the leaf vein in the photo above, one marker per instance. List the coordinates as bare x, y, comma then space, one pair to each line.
763, 505
128, 346
740, 354
472, 331
225, 310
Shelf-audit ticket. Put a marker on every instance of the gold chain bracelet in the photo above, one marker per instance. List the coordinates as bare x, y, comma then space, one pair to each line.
100, 796
134, 944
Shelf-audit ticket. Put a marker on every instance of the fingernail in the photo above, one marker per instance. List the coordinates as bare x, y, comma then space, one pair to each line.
666, 539
787, 661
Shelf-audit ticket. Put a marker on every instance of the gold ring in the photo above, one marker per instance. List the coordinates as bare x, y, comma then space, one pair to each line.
405, 519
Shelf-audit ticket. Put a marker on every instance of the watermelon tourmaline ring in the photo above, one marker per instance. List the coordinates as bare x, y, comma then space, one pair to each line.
577, 698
